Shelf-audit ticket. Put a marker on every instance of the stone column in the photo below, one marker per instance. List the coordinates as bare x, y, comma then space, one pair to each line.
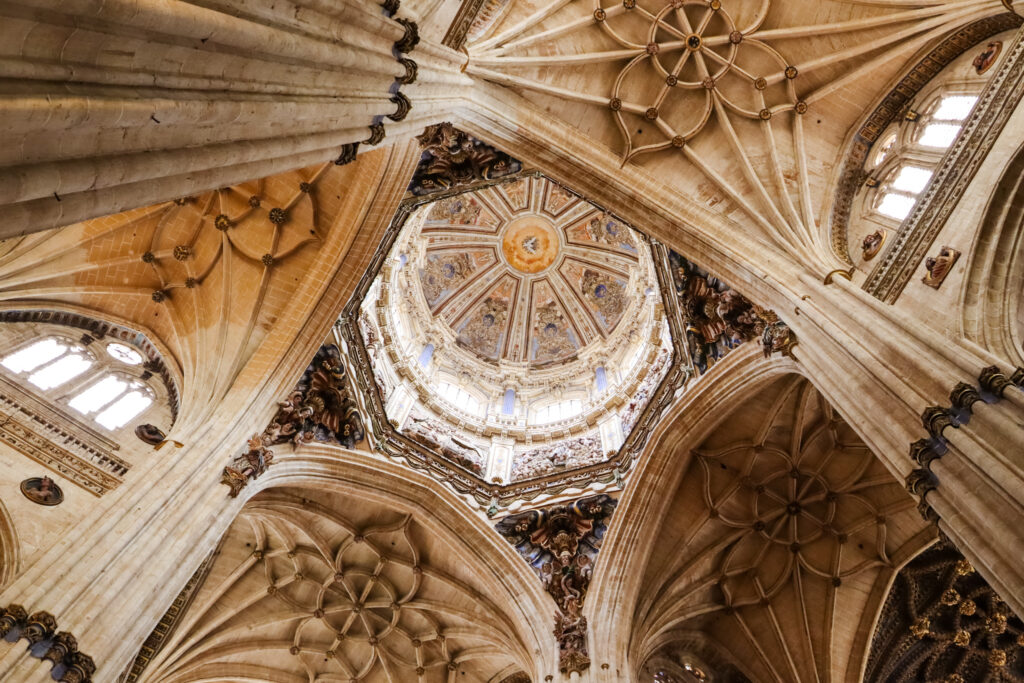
902, 386
107, 106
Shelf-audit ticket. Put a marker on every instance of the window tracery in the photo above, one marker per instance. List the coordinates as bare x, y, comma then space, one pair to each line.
102, 384
904, 163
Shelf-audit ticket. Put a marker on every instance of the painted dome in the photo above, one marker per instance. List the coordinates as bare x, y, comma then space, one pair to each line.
526, 272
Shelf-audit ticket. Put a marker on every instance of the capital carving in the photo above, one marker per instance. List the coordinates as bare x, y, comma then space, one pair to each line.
923, 453
58, 648
936, 419
964, 396
993, 381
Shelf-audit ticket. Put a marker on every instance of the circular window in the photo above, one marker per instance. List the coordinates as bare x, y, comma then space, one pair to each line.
125, 354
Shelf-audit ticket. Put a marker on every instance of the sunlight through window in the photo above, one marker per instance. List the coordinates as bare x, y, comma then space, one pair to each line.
33, 356
98, 395
61, 371
126, 407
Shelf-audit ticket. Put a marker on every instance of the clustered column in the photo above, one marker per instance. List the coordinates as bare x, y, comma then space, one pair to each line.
120, 104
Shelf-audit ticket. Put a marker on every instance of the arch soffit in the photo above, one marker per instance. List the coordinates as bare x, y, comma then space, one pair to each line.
633, 531
1001, 233
509, 582
10, 548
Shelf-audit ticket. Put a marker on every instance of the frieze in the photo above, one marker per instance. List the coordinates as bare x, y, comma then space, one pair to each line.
852, 174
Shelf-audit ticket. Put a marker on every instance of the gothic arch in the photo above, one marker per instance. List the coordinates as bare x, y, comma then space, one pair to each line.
10, 553
992, 300
327, 496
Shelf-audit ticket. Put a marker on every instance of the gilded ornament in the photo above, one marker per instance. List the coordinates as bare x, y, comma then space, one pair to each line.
801, 107
182, 252
791, 72
997, 658
148, 257
968, 608
599, 14
963, 568
708, 83
267, 260
254, 202
652, 48
950, 597
278, 216
962, 638
765, 114
223, 223
615, 104
158, 295
671, 80
736, 37
629, 4
715, 5
761, 83
938, 267
678, 141
921, 627
651, 113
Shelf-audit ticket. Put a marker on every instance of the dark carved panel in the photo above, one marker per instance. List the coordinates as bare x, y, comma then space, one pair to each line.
452, 158
561, 544
942, 623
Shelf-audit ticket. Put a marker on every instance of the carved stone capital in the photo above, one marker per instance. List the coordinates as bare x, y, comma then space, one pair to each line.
411, 71
403, 105
920, 482
935, 420
348, 154
38, 627
993, 381
923, 453
59, 648
410, 39
964, 396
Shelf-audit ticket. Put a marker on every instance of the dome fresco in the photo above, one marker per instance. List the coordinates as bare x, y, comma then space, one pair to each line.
526, 271
517, 329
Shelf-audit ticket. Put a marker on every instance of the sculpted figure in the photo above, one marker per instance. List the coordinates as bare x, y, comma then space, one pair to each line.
938, 267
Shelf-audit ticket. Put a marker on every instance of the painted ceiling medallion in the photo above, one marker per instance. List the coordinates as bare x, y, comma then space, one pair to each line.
526, 272
530, 244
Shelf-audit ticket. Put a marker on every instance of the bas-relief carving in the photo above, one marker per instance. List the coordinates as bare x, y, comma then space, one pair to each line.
987, 57
484, 329
562, 455
718, 319
441, 437
631, 413
873, 244
938, 267
603, 293
451, 159
561, 543
603, 230
42, 491
942, 622
463, 210
445, 272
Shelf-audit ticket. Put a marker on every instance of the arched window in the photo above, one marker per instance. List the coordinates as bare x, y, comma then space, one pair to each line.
555, 412
461, 399
904, 162
102, 380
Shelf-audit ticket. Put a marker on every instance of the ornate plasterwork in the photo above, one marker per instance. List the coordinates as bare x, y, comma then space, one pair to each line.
561, 543
942, 622
522, 272
952, 177
452, 159
385, 437
320, 408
